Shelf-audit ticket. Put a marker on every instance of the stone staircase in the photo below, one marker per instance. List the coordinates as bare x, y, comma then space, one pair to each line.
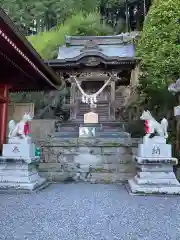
103, 130
102, 110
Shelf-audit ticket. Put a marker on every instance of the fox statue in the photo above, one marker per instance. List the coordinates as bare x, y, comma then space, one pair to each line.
152, 126
20, 129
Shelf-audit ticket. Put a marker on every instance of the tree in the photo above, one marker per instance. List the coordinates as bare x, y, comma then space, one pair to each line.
159, 50
47, 43
37, 16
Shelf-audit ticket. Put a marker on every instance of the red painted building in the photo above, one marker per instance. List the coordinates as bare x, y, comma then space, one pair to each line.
21, 69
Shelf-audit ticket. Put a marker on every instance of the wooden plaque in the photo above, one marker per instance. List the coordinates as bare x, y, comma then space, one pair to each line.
91, 117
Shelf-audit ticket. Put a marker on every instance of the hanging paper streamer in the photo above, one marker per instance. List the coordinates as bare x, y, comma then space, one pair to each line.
91, 98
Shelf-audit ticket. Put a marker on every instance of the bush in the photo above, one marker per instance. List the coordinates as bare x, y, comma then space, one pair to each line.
88, 25
47, 43
159, 49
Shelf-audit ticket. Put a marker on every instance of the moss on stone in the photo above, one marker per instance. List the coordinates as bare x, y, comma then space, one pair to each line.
112, 144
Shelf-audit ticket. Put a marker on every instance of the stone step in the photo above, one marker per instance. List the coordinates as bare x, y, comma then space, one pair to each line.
99, 134
153, 189
151, 181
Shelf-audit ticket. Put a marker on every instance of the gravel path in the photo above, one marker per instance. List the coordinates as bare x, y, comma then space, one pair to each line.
88, 212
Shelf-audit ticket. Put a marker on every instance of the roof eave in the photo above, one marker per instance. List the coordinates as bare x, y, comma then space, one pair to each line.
53, 77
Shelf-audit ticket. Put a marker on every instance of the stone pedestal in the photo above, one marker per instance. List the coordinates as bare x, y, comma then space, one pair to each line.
20, 174
154, 170
23, 150
18, 167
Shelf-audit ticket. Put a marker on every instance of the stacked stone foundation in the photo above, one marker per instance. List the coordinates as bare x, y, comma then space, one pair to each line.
112, 157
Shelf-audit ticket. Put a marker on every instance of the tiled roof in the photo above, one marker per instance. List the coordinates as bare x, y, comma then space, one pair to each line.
110, 46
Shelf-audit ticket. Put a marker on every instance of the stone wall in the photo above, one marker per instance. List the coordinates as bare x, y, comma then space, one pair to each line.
42, 128
111, 159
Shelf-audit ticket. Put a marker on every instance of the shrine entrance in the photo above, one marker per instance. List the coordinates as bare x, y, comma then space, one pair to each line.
103, 99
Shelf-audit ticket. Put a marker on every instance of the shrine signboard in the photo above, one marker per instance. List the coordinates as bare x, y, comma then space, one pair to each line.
91, 117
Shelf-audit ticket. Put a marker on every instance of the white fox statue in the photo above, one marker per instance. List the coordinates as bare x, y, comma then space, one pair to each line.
19, 130
155, 127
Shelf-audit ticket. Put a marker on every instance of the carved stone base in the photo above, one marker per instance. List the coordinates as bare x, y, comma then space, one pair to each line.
152, 149
23, 150
18, 175
155, 176
153, 189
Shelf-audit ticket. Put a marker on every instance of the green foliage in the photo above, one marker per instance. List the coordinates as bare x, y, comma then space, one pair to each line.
38, 16
87, 25
159, 50
47, 43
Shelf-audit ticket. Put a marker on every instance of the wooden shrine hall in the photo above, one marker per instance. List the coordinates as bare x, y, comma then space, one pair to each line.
22, 69
106, 65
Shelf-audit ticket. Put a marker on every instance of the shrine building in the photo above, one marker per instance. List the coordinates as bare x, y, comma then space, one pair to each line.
98, 70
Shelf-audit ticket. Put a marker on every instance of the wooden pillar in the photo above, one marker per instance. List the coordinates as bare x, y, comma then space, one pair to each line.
112, 112
3, 112
73, 99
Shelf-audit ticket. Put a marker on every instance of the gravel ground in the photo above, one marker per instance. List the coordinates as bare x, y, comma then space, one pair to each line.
88, 212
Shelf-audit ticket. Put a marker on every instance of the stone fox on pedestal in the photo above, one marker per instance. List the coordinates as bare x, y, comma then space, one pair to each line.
152, 126
20, 129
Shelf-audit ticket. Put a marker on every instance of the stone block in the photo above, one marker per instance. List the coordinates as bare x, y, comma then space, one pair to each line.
87, 159
153, 189
125, 159
108, 159
60, 176
155, 161
69, 150
124, 150
116, 168
19, 176
155, 175
110, 177
154, 168
50, 167
152, 150
19, 150
155, 181
109, 150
